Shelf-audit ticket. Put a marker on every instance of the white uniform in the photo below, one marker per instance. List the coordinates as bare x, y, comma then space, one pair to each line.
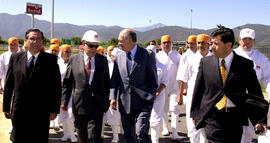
158, 106
4, 60
112, 117
189, 76
171, 91
66, 116
262, 68
188, 55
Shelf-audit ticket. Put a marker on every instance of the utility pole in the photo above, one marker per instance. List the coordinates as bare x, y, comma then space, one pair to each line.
52, 22
191, 21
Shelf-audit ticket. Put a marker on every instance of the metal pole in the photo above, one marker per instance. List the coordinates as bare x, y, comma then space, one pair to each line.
52, 23
33, 25
191, 22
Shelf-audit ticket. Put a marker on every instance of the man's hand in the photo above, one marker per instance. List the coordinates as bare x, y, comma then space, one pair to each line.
53, 116
64, 107
179, 100
7, 115
113, 104
262, 125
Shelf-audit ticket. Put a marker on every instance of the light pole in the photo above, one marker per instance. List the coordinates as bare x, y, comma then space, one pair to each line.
52, 23
191, 21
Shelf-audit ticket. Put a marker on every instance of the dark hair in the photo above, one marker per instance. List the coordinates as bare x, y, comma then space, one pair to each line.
226, 34
33, 30
132, 35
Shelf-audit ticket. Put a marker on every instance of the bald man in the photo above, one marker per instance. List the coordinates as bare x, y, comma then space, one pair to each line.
135, 79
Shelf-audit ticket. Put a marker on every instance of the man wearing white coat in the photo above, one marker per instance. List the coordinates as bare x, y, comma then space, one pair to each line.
189, 77
158, 106
188, 55
261, 66
170, 58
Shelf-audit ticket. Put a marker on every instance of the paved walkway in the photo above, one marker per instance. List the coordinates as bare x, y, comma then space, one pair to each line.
55, 136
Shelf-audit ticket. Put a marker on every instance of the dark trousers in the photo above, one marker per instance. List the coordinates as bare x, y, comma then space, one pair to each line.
224, 127
136, 120
89, 127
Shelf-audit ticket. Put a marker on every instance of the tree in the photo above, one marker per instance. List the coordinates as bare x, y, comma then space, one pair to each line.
1, 40
113, 41
46, 41
76, 40
21, 41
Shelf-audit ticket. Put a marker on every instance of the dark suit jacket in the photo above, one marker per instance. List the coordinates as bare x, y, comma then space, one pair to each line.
209, 88
142, 80
76, 80
32, 98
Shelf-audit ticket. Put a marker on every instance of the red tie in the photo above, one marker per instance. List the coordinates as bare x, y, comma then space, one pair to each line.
88, 68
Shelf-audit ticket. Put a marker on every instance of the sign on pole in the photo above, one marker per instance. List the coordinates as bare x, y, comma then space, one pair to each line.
33, 8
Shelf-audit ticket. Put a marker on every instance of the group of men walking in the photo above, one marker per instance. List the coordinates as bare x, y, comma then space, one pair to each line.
142, 85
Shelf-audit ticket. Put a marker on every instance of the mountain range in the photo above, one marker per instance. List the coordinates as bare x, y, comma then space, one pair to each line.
16, 25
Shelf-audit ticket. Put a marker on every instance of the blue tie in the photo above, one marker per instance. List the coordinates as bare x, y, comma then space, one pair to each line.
31, 66
129, 62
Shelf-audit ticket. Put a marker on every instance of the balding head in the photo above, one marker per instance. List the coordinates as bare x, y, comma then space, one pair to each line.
127, 39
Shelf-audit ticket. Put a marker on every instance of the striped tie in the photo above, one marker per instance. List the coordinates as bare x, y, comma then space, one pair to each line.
222, 103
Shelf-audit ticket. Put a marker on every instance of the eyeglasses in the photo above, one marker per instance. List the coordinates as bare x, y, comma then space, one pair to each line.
203, 43
167, 42
92, 46
35, 39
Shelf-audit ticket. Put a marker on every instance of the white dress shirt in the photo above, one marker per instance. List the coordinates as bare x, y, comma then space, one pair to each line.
228, 62
85, 57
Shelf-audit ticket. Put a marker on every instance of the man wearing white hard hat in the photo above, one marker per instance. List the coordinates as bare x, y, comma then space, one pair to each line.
88, 75
261, 66
159, 102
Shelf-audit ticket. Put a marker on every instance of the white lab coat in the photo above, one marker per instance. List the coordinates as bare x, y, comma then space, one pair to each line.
189, 76
4, 61
187, 56
158, 106
112, 117
262, 68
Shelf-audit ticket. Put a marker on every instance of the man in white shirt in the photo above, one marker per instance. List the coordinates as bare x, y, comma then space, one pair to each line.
261, 66
13, 47
189, 78
188, 55
158, 107
170, 58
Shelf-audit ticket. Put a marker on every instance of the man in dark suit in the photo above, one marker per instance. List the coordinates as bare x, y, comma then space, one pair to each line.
32, 91
134, 76
217, 105
88, 77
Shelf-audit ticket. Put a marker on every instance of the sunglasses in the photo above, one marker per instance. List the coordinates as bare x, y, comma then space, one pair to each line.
92, 46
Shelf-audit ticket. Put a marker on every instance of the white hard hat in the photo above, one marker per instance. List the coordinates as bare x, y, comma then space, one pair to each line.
247, 32
90, 36
152, 48
115, 51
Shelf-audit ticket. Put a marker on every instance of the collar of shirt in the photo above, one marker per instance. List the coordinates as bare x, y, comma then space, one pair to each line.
133, 52
85, 57
228, 62
29, 55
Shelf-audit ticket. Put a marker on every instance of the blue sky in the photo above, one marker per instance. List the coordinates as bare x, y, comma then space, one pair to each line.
137, 13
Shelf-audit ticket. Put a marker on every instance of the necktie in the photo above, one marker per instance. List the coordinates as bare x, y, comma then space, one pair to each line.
222, 103
88, 68
129, 62
31, 66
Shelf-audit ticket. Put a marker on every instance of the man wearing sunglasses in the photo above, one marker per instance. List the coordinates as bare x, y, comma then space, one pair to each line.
88, 77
